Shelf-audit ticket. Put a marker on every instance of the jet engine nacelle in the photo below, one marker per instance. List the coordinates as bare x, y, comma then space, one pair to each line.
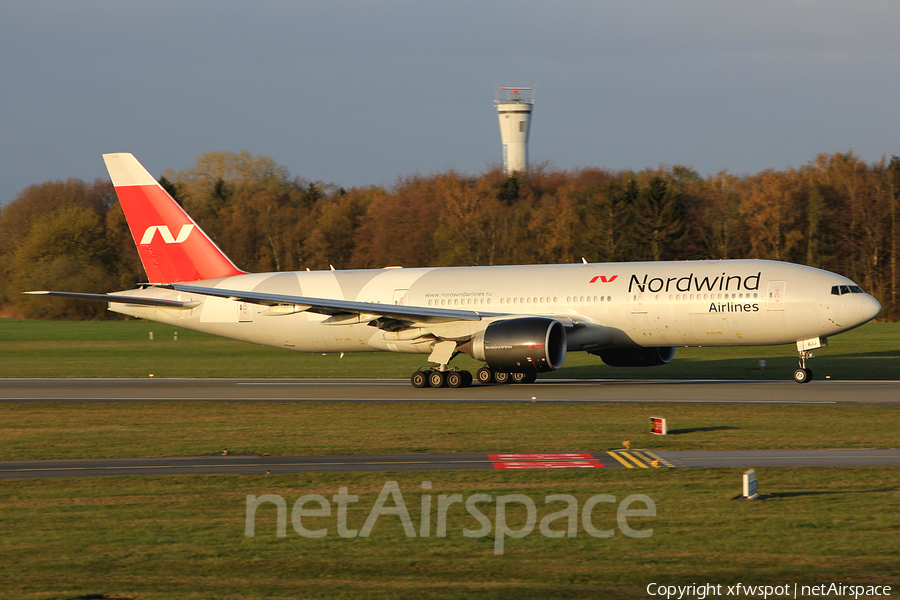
636, 357
524, 344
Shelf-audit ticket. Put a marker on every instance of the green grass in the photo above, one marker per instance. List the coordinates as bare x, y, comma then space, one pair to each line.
168, 537
183, 537
123, 349
51, 430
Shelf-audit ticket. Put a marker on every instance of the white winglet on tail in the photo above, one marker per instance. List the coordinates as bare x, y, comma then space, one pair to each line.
172, 247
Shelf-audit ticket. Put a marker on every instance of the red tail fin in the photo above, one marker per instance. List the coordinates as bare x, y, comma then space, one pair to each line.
172, 247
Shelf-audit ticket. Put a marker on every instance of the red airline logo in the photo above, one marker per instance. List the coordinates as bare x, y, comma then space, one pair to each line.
604, 279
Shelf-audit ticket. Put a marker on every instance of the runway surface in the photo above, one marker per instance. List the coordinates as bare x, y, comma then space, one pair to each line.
393, 390
282, 465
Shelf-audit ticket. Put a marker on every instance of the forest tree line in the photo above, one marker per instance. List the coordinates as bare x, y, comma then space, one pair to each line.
836, 212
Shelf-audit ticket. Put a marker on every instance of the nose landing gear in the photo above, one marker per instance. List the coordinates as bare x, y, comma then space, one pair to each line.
804, 375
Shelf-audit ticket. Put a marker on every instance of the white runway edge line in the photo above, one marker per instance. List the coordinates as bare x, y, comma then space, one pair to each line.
423, 399
404, 382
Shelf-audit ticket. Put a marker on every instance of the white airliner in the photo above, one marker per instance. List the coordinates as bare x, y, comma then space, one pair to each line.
518, 320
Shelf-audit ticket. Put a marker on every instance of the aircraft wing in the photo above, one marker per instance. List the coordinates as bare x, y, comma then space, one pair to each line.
335, 308
116, 298
325, 306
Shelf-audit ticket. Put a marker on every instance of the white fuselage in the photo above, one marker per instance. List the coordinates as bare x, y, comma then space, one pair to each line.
691, 303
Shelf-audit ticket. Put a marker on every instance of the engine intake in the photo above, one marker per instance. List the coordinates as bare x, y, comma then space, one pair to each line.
525, 344
636, 357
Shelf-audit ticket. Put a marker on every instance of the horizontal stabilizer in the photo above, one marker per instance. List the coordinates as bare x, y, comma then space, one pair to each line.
119, 299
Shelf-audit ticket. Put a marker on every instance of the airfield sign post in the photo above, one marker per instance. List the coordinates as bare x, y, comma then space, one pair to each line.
658, 426
750, 484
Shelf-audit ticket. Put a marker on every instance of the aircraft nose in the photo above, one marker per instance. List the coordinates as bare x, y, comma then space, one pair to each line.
870, 308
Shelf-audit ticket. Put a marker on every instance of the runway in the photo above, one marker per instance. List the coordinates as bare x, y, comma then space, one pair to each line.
285, 465
394, 390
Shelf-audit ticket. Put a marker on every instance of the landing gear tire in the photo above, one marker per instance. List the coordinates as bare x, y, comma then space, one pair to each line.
802, 375
466, 378
455, 379
458, 379
437, 379
523, 377
419, 379
484, 375
501, 377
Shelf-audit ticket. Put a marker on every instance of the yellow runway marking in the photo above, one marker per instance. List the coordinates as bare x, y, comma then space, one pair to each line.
661, 460
625, 464
635, 460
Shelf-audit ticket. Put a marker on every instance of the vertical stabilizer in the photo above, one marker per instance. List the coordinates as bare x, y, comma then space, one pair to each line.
171, 246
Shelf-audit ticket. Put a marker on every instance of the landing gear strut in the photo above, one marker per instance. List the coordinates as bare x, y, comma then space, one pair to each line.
804, 375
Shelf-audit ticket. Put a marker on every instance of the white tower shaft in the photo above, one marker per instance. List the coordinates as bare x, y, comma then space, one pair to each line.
515, 123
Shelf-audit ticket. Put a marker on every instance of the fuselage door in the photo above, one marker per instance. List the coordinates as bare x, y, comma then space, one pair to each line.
639, 302
244, 314
400, 297
776, 295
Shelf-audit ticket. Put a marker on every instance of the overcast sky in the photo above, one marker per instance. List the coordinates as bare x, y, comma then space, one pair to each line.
361, 92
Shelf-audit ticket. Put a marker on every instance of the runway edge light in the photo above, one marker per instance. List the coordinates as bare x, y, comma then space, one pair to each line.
658, 426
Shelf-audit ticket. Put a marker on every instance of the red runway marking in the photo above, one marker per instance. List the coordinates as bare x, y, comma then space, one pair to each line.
543, 456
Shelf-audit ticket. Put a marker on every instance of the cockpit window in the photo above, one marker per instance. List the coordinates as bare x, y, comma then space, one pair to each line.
839, 290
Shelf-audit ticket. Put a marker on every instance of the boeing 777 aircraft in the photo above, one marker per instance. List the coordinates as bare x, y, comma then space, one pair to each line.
518, 320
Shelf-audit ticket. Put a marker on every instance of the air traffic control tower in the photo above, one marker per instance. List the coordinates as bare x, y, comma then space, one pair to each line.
514, 111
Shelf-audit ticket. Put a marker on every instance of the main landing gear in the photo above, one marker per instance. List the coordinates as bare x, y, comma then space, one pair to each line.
436, 378
487, 375
804, 375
